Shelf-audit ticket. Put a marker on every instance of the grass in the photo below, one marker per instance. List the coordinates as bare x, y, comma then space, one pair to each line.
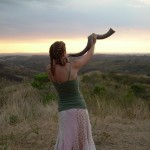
28, 123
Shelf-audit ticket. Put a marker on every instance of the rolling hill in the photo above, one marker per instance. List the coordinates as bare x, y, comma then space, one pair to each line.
15, 67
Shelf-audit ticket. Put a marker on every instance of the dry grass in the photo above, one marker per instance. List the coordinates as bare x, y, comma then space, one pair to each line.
139, 109
25, 123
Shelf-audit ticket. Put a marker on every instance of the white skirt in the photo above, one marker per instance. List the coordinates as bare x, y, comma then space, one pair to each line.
74, 131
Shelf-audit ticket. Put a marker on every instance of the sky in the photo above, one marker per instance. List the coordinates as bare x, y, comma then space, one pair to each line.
31, 26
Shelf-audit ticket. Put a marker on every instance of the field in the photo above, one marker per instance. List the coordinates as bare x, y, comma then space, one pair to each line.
118, 102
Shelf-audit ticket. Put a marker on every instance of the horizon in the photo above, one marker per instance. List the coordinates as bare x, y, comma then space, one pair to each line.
46, 54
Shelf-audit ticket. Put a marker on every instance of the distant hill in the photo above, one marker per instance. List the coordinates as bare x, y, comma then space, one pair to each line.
16, 67
34, 62
129, 64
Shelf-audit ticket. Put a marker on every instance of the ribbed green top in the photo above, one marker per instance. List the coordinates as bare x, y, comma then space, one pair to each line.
69, 95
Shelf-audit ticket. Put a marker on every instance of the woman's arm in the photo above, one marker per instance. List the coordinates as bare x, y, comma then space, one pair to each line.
99, 36
79, 63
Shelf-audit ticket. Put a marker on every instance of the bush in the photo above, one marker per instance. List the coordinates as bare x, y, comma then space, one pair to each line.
13, 119
129, 98
48, 97
137, 89
43, 84
99, 90
40, 81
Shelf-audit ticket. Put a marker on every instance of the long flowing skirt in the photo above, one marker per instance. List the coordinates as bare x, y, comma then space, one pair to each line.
74, 131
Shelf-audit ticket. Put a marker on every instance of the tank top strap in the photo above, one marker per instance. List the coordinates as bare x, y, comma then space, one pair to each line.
69, 71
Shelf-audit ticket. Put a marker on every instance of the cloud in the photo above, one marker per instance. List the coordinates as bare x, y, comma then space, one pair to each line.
26, 19
145, 1
139, 3
38, 18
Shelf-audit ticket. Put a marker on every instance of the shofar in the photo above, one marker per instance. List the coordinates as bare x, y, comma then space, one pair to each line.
89, 43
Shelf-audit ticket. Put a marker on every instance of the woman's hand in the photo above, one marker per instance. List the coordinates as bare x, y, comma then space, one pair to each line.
93, 37
79, 63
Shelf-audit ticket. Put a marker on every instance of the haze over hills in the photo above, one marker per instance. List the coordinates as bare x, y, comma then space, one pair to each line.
26, 65
21, 54
130, 64
29, 54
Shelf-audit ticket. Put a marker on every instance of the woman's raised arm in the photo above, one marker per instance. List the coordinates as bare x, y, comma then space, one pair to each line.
80, 62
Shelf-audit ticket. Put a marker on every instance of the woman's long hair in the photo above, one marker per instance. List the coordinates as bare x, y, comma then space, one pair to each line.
57, 52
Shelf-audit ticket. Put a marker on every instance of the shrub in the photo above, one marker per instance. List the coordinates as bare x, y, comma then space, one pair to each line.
43, 84
99, 90
48, 97
129, 98
137, 89
40, 81
13, 119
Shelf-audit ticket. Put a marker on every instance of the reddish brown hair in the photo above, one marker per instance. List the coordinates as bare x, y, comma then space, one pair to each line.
56, 52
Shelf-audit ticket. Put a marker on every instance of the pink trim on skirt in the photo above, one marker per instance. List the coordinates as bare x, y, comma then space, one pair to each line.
74, 131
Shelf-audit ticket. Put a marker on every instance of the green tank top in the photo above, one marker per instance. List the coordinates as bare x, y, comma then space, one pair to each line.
69, 95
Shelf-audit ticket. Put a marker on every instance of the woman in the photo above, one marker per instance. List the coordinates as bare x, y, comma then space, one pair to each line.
74, 125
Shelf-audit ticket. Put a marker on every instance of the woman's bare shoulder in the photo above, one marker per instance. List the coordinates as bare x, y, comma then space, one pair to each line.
75, 63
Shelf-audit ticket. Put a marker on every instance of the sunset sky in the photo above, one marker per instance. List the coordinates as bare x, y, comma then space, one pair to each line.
31, 26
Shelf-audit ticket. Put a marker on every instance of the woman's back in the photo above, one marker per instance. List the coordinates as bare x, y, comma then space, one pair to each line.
67, 86
63, 73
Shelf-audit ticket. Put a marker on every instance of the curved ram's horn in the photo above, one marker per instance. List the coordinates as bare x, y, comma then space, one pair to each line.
89, 43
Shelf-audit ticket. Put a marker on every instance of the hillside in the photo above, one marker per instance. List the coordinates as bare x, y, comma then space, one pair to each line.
116, 89
118, 105
15, 66
130, 64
